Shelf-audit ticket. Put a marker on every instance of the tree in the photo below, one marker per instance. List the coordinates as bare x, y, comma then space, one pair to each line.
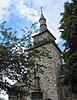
13, 58
17, 59
68, 29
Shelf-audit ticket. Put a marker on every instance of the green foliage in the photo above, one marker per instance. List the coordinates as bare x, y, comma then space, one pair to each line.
12, 56
68, 29
11, 53
19, 59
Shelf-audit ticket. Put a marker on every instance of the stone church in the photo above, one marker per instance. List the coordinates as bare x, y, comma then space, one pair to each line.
54, 73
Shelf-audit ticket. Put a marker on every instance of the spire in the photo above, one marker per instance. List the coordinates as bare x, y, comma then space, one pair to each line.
42, 22
42, 16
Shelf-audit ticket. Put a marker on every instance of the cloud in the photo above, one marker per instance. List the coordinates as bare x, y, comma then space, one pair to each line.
4, 12
51, 10
4, 3
18, 8
30, 10
24, 11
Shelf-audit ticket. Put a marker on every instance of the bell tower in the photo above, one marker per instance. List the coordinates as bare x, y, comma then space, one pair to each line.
45, 41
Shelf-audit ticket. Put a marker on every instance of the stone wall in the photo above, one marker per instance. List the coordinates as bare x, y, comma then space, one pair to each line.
49, 78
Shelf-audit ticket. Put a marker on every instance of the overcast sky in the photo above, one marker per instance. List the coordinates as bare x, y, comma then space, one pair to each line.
21, 13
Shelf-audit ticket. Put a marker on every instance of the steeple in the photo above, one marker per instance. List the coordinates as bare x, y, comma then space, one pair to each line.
42, 21
44, 36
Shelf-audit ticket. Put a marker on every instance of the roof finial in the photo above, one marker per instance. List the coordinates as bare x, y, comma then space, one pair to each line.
41, 8
42, 16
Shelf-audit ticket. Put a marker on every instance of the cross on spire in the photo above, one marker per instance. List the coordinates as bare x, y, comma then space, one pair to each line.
41, 8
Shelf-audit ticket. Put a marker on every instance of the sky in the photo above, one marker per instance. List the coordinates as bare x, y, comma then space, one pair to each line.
22, 13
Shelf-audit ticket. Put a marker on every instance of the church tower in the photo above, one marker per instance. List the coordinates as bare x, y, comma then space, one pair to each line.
50, 87
49, 79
